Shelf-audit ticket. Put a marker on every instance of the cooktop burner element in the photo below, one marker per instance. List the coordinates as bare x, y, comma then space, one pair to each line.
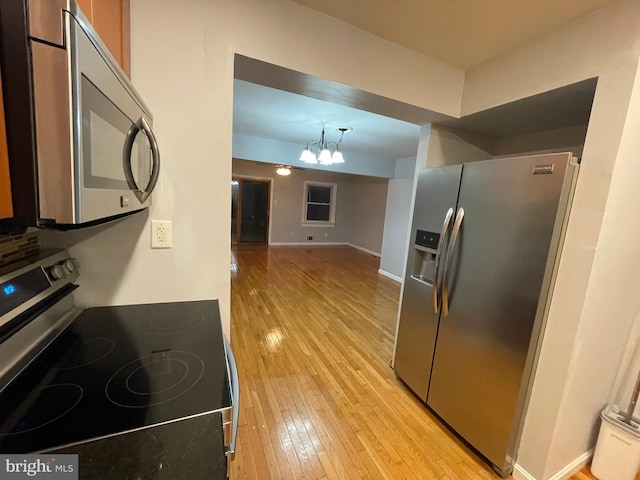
170, 322
95, 349
164, 375
39, 407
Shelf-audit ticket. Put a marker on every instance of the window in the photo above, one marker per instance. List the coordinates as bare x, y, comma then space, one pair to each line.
319, 204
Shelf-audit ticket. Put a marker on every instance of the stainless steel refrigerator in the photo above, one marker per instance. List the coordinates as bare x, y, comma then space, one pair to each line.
485, 243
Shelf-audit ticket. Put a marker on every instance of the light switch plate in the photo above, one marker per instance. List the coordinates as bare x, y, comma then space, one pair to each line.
161, 234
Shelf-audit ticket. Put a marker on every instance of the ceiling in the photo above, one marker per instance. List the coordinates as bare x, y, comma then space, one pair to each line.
280, 104
463, 33
266, 112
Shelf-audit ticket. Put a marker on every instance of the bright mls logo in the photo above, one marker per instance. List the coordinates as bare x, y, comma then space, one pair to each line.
55, 467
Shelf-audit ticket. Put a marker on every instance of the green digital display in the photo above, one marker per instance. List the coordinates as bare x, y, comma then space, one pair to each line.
427, 239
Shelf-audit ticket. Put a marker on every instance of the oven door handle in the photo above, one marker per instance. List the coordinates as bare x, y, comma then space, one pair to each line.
143, 125
235, 397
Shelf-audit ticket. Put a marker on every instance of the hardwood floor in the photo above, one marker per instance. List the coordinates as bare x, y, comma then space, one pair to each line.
583, 475
313, 329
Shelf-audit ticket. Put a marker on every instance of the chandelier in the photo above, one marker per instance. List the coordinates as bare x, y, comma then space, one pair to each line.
320, 151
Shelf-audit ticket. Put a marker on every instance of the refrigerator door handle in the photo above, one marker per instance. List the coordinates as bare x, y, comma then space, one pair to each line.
436, 269
447, 260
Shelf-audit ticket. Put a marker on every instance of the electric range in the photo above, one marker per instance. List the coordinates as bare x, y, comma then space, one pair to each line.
73, 376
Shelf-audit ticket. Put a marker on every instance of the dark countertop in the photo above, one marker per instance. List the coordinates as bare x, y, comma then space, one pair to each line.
118, 369
191, 449
137, 391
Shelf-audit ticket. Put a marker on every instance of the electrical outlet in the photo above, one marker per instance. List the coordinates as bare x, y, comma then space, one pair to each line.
160, 233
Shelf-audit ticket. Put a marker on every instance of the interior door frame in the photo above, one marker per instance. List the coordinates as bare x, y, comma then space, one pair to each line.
269, 181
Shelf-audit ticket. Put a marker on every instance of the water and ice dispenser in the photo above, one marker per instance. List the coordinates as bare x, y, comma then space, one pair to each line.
425, 257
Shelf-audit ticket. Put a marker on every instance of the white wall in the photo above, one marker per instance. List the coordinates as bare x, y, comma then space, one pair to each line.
360, 201
448, 146
580, 355
605, 326
629, 367
405, 167
566, 139
397, 219
367, 198
421, 162
286, 203
182, 65
396, 228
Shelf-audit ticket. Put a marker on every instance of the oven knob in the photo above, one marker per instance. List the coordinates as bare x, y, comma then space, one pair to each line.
57, 271
63, 269
72, 265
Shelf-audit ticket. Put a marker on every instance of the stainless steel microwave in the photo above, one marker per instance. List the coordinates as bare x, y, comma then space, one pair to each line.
81, 145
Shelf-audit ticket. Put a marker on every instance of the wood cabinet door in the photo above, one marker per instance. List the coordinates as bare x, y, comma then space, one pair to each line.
87, 8
110, 18
6, 204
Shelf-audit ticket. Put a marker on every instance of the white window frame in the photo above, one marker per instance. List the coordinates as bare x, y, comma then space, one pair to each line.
332, 210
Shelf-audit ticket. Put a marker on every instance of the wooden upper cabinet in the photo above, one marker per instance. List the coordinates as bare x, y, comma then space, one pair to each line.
6, 204
110, 18
86, 7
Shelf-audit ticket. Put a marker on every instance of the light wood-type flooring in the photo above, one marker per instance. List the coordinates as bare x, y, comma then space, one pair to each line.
312, 331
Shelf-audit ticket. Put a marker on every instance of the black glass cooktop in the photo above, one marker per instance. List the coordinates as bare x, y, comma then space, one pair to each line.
117, 369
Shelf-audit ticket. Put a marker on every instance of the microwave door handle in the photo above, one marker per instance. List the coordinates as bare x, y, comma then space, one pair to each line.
142, 195
155, 156
126, 159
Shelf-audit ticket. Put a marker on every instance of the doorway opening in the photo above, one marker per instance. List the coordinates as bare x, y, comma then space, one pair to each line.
250, 211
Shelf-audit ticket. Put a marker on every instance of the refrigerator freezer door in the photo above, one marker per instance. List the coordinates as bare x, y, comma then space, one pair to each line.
437, 192
495, 280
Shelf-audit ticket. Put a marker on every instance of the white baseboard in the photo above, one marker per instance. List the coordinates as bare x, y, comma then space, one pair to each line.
573, 467
390, 275
564, 473
308, 244
324, 244
520, 473
365, 250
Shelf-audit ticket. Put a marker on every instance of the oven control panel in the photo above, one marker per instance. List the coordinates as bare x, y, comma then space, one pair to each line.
18, 290
31, 283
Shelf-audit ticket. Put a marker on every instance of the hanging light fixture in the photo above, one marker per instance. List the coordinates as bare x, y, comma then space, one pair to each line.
283, 170
320, 151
